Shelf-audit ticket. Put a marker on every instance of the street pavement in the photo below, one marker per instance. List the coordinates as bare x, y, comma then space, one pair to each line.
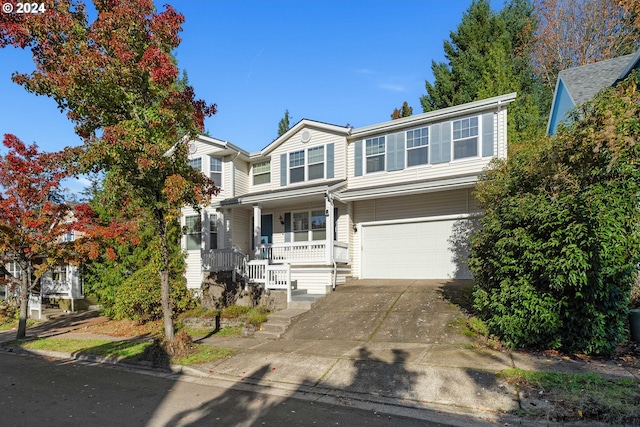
396, 347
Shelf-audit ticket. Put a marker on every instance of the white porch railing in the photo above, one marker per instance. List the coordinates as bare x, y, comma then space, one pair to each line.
273, 276
224, 260
314, 252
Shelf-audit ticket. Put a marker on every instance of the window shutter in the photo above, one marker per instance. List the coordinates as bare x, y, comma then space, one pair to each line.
487, 134
283, 170
434, 142
395, 151
330, 172
445, 142
287, 226
357, 167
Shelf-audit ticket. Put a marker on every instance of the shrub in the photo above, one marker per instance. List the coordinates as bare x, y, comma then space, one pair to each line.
139, 296
555, 258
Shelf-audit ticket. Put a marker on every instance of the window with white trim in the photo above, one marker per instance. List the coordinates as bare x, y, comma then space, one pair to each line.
193, 231
309, 225
296, 166
418, 147
215, 170
465, 138
196, 163
262, 173
316, 162
374, 154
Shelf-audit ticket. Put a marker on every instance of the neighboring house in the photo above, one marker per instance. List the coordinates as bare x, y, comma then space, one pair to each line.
324, 202
577, 85
62, 282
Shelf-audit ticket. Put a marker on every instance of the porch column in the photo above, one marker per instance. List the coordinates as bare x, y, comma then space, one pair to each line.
328, 213
257, 231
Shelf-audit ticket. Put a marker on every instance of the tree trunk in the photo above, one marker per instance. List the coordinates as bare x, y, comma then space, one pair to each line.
167, 312
24, 306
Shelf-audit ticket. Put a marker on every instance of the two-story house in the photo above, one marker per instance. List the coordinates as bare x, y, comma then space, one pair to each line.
388, 201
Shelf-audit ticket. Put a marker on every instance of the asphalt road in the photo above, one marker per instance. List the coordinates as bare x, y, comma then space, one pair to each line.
38, 391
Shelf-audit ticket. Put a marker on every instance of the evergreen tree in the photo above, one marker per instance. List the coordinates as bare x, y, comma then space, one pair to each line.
285, 124
489, 55
404, 111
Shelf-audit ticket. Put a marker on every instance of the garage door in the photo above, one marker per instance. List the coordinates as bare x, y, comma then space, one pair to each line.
418, 250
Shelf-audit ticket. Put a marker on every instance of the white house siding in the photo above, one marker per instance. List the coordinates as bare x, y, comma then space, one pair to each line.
241, 177
428, 172
318, 280
193, 272
294, 143
240, 229
435, 204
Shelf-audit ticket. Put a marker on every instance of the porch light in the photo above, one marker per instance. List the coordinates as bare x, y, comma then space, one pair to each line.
281, 220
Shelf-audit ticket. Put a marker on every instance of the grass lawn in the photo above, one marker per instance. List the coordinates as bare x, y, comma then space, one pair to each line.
583, 396
132, 350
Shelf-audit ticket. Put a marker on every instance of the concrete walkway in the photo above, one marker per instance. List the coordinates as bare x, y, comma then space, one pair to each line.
399, 343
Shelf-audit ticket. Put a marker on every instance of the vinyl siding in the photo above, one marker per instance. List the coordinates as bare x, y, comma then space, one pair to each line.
432, 171
294, 143
241, 177
193, 272
241, 230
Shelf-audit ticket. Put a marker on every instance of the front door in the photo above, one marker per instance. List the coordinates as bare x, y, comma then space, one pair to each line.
266, 227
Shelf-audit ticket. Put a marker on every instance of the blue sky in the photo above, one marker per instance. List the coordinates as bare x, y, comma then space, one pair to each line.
333, 61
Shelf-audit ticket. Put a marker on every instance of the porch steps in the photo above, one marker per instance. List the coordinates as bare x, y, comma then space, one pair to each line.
278, 322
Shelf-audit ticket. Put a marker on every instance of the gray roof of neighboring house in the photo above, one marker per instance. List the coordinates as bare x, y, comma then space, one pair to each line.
585, 81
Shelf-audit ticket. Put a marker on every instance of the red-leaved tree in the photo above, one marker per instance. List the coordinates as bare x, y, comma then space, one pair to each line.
118, 82
33, 218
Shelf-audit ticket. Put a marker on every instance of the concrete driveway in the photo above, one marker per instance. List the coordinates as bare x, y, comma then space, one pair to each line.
386, 311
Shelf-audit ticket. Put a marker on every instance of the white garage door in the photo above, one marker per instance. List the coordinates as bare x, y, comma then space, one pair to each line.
417, 250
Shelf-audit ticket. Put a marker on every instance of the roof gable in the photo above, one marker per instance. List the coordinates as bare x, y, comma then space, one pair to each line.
302, 124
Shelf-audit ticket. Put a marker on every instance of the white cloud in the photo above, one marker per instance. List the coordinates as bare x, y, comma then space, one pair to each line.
392, 87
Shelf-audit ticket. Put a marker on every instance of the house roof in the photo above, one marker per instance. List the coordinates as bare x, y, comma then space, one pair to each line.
432, 116
584, 82
304, 123
276, 196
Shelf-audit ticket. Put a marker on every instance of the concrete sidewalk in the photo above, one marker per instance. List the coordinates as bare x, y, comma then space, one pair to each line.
397, 343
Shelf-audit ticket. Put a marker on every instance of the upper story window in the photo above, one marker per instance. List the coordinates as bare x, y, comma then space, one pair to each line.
262, 173
316, 162
215, 170
374, 152
418, 147
196, 163
193, 231
465, 138
296, 166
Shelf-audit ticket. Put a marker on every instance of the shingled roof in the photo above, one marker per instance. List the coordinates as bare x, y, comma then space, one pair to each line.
584, 82
577, 85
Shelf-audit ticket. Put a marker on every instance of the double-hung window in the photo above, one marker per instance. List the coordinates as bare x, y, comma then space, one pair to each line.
296, 166
215, 170
374, 153
262, 173
418, 147
316, 162
196, 163
465, 138
309, 225
193, 231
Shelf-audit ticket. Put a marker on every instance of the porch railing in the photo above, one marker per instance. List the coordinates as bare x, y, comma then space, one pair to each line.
302, 252
272, 276
225, 260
